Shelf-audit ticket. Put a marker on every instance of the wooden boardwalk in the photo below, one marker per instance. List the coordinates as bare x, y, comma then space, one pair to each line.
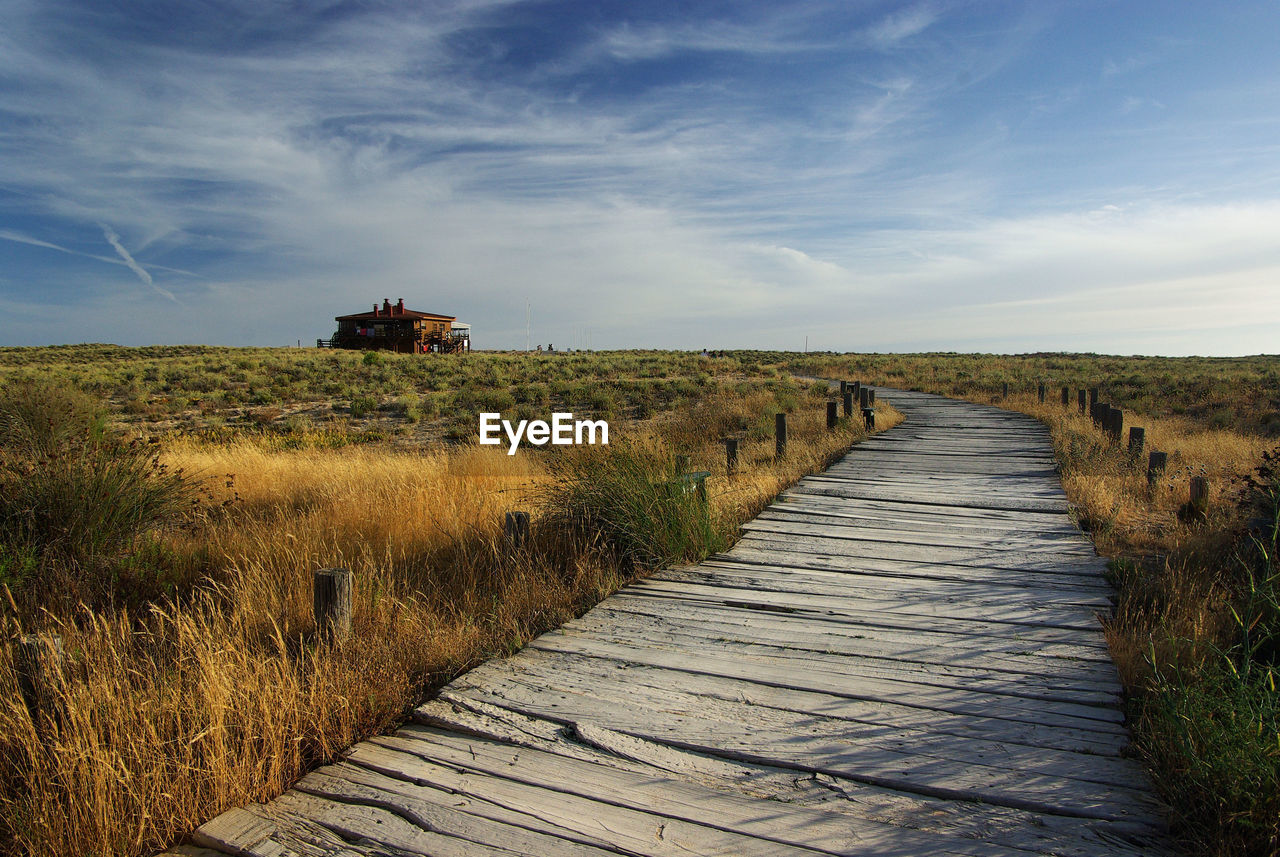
900, 657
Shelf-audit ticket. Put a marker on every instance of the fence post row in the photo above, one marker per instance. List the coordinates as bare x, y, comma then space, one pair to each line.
331, 600
516, 525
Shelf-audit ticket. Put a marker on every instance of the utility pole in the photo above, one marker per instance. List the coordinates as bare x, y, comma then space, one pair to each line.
528, 329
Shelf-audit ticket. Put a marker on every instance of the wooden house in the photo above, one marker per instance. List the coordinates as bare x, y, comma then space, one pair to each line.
394, 328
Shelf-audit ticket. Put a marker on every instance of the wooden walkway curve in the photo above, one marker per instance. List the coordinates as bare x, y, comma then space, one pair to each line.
900, 657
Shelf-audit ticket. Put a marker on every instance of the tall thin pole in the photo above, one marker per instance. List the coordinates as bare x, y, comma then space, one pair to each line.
528, 329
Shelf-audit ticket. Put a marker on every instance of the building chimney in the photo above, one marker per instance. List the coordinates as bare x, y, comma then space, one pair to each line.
400, 307
386, 307
375, 309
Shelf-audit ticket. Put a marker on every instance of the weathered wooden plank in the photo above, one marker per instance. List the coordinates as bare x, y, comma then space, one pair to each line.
752, 553
942, 538
552, 667
1059, 531
605, 699
546, 793
851, 584
842, 488
1047, 617
693, 818
940, 671
781, 545
1008, 705
769, 630
851, 802
447, 809
864, 762
850, 613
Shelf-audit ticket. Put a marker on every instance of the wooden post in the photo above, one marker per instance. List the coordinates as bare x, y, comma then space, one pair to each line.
1093, 396
869, 418
1004, 390
682, 464
780, 434
871, 396
864, 397
848, 403
856, 388
844, 387
1040, 391
1084, 407
331, 598
730, 453
833, 415
1115, 423
1137, 439
1066, 397
37, 659
1156, 464
516, 525
1199, 502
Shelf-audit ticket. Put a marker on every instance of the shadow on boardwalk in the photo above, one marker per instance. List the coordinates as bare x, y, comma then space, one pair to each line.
900, 657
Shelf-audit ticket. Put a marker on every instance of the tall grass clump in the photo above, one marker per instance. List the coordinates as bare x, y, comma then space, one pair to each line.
74, 496
631, 498
1210, 727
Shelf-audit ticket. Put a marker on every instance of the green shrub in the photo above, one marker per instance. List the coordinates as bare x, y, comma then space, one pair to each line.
631, 500
72, 495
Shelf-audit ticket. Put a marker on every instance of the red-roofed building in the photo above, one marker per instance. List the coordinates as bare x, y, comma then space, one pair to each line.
394, 328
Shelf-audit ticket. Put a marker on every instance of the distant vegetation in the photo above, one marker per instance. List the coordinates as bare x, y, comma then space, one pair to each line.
163, 509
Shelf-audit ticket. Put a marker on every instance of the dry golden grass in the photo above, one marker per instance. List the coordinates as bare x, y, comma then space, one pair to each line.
224, 696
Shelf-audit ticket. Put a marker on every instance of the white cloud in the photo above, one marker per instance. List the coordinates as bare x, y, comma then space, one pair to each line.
899, 27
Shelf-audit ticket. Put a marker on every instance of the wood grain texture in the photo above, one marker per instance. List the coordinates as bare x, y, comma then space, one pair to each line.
900, 656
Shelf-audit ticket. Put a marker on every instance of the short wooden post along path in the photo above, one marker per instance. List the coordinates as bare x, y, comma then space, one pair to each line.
331, 591
515, 528
1137, 439
38, 662
1156, 464
730, 454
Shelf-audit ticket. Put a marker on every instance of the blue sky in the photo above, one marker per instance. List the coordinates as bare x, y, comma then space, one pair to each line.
967, 176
